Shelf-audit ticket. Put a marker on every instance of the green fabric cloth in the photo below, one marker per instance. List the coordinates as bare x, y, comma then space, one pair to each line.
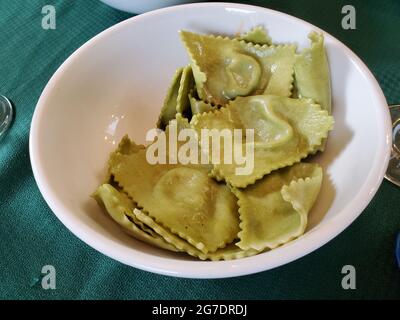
31, 235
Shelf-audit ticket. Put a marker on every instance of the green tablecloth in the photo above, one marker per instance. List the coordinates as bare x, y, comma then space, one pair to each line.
31, 235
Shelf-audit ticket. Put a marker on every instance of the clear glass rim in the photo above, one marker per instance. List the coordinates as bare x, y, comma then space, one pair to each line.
395, 123
7, 109
395, 156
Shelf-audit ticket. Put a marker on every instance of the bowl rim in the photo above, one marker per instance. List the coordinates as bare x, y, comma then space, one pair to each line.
316, 238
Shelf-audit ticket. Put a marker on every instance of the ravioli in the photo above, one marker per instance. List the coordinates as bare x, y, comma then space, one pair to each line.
120, 208
199, 106
230, 252
168, 110
177, 98
225, 68
312, 77
257, 35
285, 131
275, 209
182, 198
187, 84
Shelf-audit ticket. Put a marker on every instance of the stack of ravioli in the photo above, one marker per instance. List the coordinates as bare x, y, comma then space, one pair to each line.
207, 210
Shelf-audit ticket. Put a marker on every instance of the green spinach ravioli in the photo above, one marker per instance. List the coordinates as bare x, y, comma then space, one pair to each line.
208, 211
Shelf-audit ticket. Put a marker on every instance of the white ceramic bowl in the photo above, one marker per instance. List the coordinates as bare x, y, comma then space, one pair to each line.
115, 84
140, 6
